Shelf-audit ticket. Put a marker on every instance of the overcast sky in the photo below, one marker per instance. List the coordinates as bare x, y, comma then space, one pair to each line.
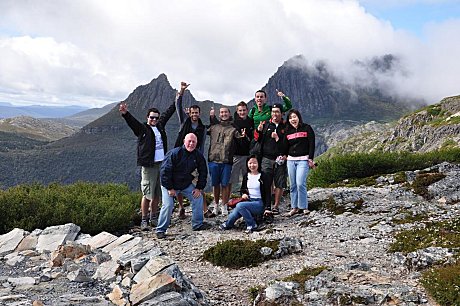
91, 52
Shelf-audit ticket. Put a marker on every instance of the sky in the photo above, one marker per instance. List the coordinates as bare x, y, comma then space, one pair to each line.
94, 52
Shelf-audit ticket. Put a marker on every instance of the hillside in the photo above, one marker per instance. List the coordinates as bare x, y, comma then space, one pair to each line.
433, 127
36, 129
104, 150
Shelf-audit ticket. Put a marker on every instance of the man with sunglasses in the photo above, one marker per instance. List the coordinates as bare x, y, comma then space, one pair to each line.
151, 149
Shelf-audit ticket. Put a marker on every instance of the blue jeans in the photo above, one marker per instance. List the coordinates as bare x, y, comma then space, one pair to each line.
298, 172
164, 219
247, 210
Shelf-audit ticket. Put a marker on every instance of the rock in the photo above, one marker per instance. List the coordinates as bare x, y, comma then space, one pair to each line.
101, 240
79, 276
117, 297
151, 287
123, 248
107, 271
21, 281
117, 242
10, 240
54, 236
14, 258
152, 267
29, 242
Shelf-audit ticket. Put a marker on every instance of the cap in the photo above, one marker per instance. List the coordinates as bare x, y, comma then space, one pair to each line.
278, 105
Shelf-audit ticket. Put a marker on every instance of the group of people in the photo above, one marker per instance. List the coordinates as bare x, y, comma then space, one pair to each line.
286, 149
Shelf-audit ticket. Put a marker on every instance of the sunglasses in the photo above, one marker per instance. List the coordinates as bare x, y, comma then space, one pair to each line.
154, 117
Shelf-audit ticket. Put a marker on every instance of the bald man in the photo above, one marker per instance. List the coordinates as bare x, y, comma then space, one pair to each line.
176, 178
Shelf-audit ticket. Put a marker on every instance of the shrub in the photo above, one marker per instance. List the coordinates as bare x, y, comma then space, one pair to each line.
238, 253
438, 234
423, 180
304, 275
94, 207
363, 165
443, 284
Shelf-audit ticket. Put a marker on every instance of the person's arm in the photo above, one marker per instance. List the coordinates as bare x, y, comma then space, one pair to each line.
202, 171
287, 105
244, 186
181, 114
137, 127
166, 170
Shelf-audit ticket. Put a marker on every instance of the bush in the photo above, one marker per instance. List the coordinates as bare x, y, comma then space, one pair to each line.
443, 284
362, 165
94, 207
438, 234
238, 253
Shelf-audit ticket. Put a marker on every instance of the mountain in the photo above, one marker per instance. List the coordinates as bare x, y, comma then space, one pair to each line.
322, 96
8, 110
431, 128
36, 129
105, 149
83, 118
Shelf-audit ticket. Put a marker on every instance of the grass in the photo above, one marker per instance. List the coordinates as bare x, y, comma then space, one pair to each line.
443, 284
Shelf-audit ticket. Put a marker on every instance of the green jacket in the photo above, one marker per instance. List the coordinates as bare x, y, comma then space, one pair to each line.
266, 112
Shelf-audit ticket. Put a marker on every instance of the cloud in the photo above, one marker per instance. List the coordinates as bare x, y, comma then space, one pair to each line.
97, 52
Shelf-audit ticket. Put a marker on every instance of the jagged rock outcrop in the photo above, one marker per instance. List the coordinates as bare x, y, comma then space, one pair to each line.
434, 127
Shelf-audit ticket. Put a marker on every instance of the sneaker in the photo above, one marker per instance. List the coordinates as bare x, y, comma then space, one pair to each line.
144, 225
251, 229
218, 208
224, 210
223, 227
161, 235
153, 222
182, 213
202, 227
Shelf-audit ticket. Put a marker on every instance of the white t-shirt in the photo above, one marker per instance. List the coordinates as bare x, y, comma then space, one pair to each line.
254, 186
159, 150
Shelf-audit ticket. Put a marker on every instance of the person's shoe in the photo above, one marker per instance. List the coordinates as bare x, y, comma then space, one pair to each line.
203, 226
144, 225
182, 213
224, 210
304, 211
294, 212
223, 227
153, 222
161, 235
209, 214
275, 210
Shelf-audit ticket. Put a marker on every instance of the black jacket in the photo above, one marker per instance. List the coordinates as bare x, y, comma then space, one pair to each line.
242, 144
271, 148
146, 136
265, 188
177, 167
300, 141
186, 127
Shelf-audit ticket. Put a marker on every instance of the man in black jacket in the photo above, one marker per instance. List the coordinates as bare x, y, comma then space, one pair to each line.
151, 149
244, 125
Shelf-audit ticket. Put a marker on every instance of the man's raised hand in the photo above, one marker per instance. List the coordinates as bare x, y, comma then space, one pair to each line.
123, 108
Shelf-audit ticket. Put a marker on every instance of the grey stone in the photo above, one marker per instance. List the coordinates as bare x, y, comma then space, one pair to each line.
54, 236
107, 271
10, 240
278, 290
152, 267
101, 240
266, 251
79, 276
21, 281
117, 242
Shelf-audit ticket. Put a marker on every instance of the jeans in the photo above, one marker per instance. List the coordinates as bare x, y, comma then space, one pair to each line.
168, 205
247, 210
298, 172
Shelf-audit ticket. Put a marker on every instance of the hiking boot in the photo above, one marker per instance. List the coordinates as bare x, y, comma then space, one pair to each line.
182, 213
161, 235
223, 227
224, 210
153, 222
202, 227
144, 225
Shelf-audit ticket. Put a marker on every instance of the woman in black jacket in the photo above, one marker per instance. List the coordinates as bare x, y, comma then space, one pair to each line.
256, 194
300, 151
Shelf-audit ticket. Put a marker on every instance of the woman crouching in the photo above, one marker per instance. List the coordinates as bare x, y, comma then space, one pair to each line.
256, 194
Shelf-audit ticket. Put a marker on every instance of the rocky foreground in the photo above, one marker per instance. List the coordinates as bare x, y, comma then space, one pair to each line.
61, 266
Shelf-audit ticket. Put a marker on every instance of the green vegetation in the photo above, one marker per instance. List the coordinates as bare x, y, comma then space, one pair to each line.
238, 253
438, 234
409, 217
94, 207
423, 180
443, 284
337, 209
304, 275
364, 165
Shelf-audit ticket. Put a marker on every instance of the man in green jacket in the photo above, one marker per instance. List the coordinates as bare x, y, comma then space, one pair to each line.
261, 111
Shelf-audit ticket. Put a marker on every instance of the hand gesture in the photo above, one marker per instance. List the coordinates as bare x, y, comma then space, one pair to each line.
245, 196
172, 192
211, 112
123, 108
243, 132
275, 136
187, 111
196, 193
280, 93
183, 87
261, 126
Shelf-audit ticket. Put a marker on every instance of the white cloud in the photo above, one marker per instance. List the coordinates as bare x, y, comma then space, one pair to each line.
96, 52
